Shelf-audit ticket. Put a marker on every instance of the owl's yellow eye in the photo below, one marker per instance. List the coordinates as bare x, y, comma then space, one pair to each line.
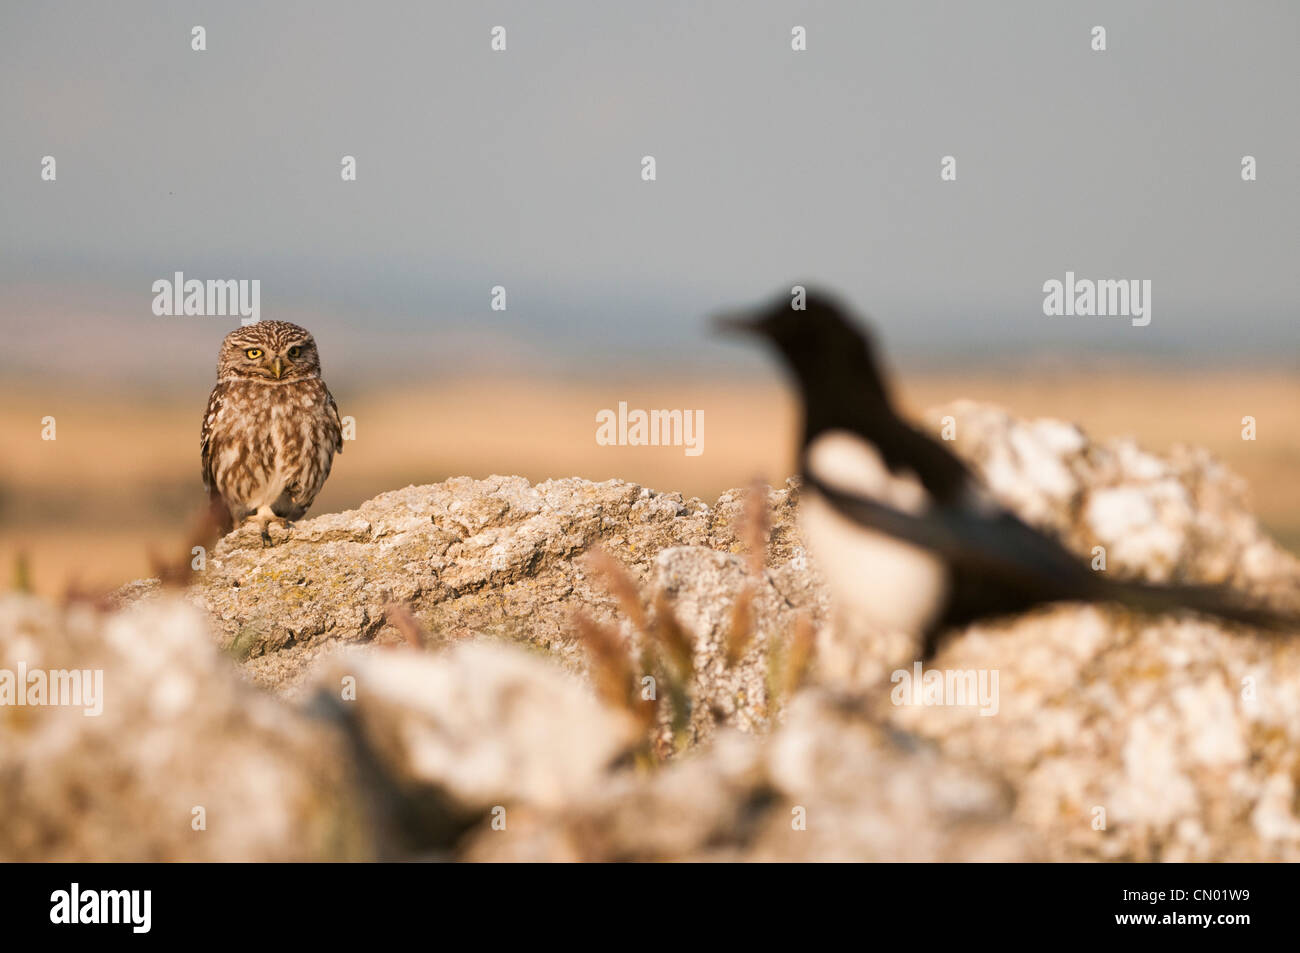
294, 352
254, 353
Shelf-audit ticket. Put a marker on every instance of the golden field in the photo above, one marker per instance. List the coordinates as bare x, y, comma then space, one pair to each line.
122, 477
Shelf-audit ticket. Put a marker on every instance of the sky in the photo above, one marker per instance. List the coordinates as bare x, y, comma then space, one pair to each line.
523, 169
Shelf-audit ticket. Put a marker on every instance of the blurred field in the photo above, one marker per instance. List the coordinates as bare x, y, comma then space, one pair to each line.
123, 475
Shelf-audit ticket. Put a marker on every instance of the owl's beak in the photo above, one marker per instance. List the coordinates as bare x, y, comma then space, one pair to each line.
278, 367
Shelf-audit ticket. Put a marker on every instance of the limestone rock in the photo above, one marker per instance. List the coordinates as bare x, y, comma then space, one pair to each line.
470, 558
1072, 732
1182, 516
183, 760
488, 724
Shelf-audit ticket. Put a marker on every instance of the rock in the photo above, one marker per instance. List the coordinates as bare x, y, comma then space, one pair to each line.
183, 762
469, 557
702, 585
870, 792
487, 724
1068, 733
829, 786
1183, 516
1170, 732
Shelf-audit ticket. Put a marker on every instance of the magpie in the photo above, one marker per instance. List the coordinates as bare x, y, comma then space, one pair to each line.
906, 535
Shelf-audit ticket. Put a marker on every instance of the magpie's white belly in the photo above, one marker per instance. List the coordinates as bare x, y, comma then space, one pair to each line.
892, 585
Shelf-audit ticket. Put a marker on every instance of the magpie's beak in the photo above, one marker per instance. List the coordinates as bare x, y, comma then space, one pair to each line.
737, 322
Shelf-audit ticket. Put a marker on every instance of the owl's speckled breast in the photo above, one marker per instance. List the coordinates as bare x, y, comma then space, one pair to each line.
273, 445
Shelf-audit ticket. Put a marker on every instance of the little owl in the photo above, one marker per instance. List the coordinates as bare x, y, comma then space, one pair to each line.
272, 428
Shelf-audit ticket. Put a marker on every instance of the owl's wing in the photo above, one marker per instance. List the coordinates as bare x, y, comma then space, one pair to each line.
215, 403
336, 421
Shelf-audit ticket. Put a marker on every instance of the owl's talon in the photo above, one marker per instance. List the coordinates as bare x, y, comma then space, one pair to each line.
263, 520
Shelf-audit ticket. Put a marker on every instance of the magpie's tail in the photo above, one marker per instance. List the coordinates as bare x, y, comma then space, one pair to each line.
1217, 601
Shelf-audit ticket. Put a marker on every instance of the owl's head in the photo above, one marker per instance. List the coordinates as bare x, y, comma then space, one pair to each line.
273, 351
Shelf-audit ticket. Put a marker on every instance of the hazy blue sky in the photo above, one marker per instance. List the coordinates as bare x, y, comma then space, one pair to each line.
522, 169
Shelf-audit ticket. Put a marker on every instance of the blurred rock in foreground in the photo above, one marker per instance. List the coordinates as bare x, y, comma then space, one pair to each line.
283, 697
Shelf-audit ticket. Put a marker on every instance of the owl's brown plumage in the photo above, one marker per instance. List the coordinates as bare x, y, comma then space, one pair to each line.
271, 428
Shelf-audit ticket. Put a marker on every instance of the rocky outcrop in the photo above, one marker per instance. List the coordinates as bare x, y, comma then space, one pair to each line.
478, 720
499, 559
183, 761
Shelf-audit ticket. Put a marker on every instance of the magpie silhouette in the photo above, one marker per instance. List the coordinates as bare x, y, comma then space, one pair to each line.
905, 533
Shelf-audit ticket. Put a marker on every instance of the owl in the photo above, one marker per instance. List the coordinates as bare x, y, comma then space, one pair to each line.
271, 428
